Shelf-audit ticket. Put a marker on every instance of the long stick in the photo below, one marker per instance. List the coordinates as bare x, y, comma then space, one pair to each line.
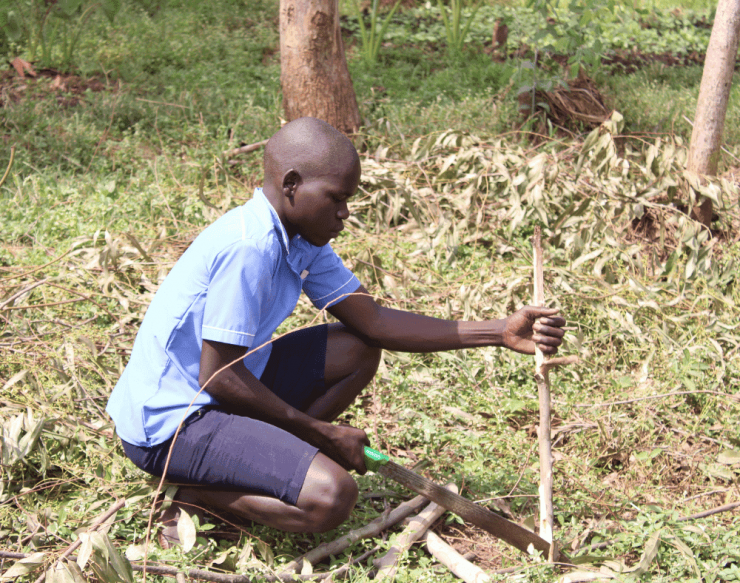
543, 388
387, 565
453, 560
372, 529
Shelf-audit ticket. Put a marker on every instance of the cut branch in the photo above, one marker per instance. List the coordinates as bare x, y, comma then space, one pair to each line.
245, 149
705, 513
453, 560
372, 529
543, 389
387, 565
95, 524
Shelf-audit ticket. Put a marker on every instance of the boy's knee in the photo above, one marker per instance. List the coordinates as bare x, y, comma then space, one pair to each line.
371, 358
328, 496
337, 503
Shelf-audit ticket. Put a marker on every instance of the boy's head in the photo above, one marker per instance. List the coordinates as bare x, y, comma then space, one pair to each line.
311, 169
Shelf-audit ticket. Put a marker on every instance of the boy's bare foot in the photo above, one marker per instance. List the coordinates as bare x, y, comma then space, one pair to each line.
184, 500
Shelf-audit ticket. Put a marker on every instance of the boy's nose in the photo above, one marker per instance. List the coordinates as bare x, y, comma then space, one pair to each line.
343, 212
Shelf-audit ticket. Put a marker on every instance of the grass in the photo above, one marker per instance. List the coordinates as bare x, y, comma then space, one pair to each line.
645, 427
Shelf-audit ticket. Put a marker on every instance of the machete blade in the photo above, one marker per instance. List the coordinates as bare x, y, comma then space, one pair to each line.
510, 532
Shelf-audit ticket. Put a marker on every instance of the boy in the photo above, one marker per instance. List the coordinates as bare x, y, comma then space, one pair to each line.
259, 440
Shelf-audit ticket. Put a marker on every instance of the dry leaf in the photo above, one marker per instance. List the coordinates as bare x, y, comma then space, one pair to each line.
22, 67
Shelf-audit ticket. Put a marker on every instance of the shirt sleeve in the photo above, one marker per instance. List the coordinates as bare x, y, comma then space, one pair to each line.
240, 281
328, 281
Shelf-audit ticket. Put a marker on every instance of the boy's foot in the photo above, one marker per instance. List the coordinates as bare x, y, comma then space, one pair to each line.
169, 517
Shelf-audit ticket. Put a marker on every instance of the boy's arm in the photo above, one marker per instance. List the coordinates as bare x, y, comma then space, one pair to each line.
409, 332
241, 393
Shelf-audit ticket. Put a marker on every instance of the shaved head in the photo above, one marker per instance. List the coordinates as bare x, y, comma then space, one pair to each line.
309, 146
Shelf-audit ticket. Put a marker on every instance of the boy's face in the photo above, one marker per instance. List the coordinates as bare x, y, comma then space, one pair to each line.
317, 205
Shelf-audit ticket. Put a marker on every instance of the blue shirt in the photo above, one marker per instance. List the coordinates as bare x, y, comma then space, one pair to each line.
236, 283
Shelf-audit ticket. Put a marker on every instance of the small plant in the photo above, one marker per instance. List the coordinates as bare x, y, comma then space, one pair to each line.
373, 36
51, 29
455, 30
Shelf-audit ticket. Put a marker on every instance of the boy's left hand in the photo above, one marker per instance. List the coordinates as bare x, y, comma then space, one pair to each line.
532, 326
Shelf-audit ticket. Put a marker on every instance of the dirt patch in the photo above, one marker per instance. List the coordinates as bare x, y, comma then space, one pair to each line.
68, 87
625, 62
482, 548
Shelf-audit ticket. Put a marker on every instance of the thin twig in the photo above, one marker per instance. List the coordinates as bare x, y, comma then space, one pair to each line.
245, 149
711, 511
372, 529
32, 306
16, 295
95, 524
651, 397
10, 165
205, 575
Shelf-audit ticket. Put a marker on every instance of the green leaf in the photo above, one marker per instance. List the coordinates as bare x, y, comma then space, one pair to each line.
265, 552
186, 531
69, 7
729, 458
65, 572
111, 8
23, 567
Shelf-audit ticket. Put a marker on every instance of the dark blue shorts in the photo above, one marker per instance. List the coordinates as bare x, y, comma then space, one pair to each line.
230, 452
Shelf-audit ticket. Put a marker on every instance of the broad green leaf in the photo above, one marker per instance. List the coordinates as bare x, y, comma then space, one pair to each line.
86, 549
23, 567
265, 552
111, 8
69, 7
135, 552
729, 457
186, 531
65, 572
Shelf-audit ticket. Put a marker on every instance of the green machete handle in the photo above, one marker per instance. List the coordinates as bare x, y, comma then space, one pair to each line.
374, 459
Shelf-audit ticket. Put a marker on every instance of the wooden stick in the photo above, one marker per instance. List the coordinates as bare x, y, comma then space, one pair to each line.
372, 529
543, 388
453, 560
387, 565
245, 149
205, 575
95, 524
711, 511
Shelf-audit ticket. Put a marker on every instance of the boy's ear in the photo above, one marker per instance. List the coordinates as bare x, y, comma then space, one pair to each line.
291, 180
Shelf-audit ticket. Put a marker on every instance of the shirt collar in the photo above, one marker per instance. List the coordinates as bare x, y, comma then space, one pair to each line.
266, 208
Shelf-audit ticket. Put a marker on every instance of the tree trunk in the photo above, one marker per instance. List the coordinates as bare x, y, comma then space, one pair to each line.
314, 75
714, 94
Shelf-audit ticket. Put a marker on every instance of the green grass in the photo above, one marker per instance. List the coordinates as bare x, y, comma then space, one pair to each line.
651, 300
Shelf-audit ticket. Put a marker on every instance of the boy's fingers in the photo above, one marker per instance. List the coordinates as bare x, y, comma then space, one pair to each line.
557, 322
544, 330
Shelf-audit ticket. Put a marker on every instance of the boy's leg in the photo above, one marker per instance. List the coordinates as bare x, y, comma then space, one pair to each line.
326, 499
328, 493
350, 366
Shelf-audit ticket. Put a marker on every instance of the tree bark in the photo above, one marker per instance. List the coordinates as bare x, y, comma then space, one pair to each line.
714, 94
314, 75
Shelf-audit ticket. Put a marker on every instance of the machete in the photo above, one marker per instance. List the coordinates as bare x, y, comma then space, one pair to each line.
510, 532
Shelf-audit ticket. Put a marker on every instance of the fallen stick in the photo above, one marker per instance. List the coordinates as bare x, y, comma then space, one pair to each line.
705, 513
95, 524
214, 577
453, 560
371, 529
543, 389
244, 149
387, 565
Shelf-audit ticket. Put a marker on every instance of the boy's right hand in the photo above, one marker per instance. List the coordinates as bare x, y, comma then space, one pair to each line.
346, 446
